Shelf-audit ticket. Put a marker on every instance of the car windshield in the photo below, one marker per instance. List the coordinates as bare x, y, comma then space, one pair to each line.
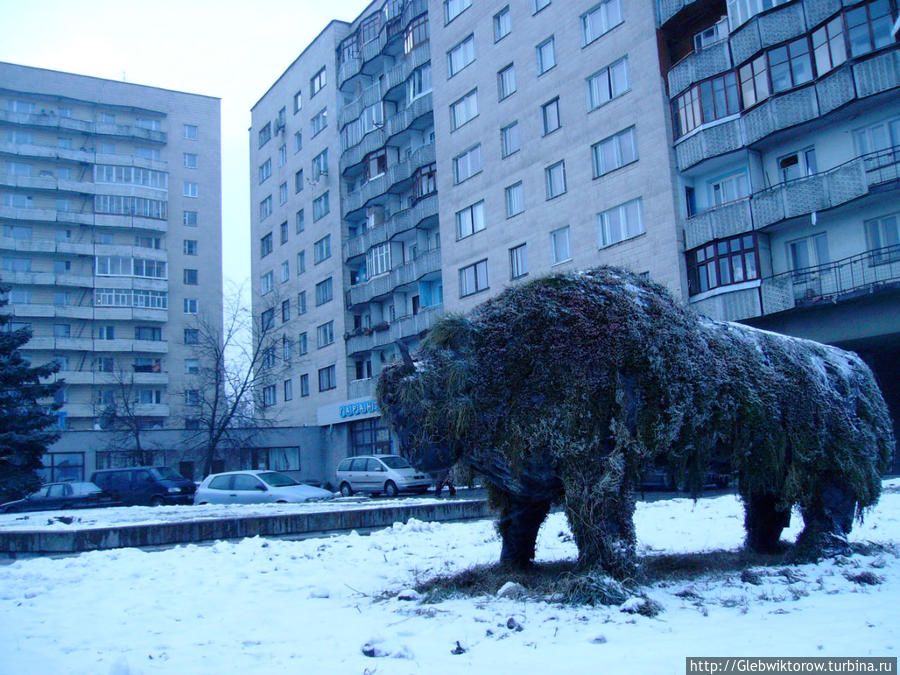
165, 473
276, 479
395, 462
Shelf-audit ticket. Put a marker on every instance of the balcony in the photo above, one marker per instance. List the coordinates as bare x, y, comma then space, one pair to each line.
697, 66
354, 154
410, 326
768, 29
401, 275
399, 222
361, 388
47, 120
845, 279
404, 119
348, 69
395, 176
709, 141
669, 8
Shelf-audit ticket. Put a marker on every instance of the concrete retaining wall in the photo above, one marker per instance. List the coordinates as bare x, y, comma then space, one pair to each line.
163, 534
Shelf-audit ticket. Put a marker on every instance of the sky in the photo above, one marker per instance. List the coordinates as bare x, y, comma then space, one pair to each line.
231, 49
344, 603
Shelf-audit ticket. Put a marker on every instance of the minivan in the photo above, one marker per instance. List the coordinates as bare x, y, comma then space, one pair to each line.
146, 485
375, 474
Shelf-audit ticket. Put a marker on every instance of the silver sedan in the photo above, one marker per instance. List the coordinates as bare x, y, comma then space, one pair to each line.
256, 487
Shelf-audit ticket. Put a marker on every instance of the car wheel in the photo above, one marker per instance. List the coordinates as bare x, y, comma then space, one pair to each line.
346, 490
156, 501
390, 489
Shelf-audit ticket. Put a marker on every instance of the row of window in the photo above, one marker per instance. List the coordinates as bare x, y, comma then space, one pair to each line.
321, 205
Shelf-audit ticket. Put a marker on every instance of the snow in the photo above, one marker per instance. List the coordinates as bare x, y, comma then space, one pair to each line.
320, 605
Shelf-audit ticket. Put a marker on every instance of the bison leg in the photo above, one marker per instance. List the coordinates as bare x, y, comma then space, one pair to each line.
604, 532
764, 521
827, 522
518, 526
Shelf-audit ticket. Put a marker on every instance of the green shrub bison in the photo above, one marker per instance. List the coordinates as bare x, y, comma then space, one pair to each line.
570, 387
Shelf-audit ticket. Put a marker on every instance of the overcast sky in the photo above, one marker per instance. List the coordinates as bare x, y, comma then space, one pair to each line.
231, 49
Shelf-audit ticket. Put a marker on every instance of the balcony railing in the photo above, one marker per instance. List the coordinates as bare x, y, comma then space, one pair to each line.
833, 282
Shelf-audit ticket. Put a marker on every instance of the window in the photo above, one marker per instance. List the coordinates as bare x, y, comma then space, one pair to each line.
608, 83
473, 278
502, 24
283, 228
265, 134
470, 220
869, 27
425, 181
282, 154
322, 249
555, 176
191, 305
190, 189
518, 261
464, 109
882, 233
299, 222
285, 311
550, 116
546, 56
538, 5
467, 164
288, 390
416, 33
298, 141
191, 367
560, 245
190, 247
320, 207
324, 292
191, 277
149, 333
515, 199
829, 47
302, 344
190, 160
266, 283
461, 55
304, 385
327, 378
268, 400
282, 193
265, 245
319, 165
316, 82
285, 271
739, 11
107, 332
797, 165
286, 346
319, 121
265, 208
191, 132
325, 335
189, 218
599, 20
298, 101
710, 100
754, 78
419, 83
62, 330
509, 139
614, 152
790, 65
191, 336
620, 222
506, 82
267, 319
722, 262
378, 259
453, 8
728, 189
301, 303
301, 263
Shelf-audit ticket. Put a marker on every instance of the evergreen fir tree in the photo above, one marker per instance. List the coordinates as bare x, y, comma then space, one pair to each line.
27, 427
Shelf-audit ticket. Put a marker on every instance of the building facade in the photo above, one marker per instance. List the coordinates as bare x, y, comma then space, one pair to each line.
743, 154
111, 240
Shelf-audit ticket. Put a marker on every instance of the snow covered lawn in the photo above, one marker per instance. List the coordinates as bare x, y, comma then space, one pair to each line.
274, 606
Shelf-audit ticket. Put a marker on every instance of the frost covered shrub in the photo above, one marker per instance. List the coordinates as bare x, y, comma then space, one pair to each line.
571, 386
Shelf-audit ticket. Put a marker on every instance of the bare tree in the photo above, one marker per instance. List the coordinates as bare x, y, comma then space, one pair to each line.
237, 360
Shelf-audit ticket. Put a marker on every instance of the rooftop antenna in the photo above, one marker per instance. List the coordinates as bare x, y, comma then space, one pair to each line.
123, 76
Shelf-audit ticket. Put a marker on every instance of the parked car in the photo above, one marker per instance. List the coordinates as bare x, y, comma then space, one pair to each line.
146, 485
70, 495
256, 487
375, 474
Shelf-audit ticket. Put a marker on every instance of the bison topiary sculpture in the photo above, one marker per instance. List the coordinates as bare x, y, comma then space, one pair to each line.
568, 388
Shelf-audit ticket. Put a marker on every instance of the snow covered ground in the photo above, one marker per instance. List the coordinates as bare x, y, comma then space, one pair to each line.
275, 606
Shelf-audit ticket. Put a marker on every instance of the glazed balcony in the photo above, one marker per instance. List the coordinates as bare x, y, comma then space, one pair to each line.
399, 222
697, 66
406, 273
842, 280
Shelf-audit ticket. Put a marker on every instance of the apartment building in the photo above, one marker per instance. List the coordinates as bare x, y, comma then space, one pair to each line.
786, 118
739, 153
111, 242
